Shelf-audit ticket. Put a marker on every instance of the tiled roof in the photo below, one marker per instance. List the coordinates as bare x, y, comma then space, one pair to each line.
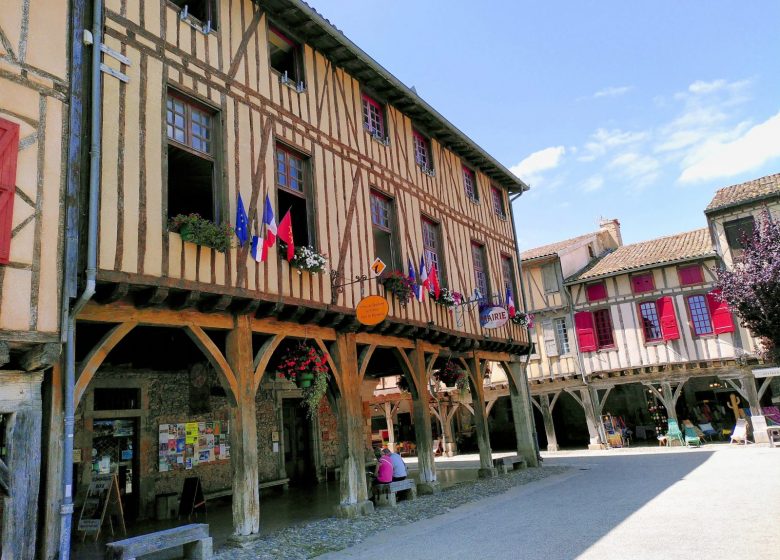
554, 248
688, 245
745, 192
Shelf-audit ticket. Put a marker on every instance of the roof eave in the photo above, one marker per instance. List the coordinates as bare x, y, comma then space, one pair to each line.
381, 80
568, 282
733, 205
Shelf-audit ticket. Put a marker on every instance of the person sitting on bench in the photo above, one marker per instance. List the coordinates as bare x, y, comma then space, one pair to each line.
399, 467
384, 468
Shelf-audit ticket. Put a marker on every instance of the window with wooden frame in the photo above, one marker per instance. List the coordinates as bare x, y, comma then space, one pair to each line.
651, 325
470, 184
596, 291
192, 178
9, 156
285, 57
737, 232
700, 315
383, 226
642, 283
374, 117
293, 193
550, 278
205, 11
690, 275
561, 335
602, 320
479, 261
422, 152
507, 273
432, 253
498, 201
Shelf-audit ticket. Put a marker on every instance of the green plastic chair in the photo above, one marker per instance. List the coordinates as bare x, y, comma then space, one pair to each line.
691, 437
674, 433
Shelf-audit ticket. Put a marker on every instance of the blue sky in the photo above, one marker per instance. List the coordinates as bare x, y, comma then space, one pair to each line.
630, 110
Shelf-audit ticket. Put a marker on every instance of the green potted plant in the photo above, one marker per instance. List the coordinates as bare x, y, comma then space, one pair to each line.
308, 368
195, 229
400, 285
452, 375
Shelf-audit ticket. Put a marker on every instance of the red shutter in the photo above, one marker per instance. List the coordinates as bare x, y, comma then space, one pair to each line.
690, 275
642, 283
586, 334
9, 151
669, 328
722, 321
595, 292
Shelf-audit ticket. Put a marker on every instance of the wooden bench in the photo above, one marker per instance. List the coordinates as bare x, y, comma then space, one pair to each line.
194, 538
385, 494
503, 464
225, 492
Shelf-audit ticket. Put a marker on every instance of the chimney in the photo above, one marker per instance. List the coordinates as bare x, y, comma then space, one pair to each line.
611, 228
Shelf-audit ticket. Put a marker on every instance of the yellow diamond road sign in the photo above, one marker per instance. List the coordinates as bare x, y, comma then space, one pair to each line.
378, 266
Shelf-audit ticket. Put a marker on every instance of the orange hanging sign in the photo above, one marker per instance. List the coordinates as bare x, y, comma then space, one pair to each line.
372, 310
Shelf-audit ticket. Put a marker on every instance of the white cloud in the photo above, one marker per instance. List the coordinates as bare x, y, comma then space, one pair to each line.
604, 140
717, 158
700, 86
613, 91
640, 170
531, 168
592, 183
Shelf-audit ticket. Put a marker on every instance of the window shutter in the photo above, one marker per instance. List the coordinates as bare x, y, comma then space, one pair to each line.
550, 347
595, 292
669, 328
690, 275
722, 321
642, 283
586, 334
9, 151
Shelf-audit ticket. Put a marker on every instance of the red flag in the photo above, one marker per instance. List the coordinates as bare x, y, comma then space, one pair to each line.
286, 235
433, 278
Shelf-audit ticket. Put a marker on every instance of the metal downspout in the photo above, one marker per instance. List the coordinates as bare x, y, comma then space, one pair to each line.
66, 510
527, 330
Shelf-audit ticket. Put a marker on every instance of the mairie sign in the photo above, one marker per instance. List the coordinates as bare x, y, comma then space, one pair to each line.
493, 317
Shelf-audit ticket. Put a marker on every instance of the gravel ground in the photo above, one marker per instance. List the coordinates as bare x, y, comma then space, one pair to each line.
332, 534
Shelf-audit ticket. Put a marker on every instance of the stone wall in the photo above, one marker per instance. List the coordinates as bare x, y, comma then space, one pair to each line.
329, 432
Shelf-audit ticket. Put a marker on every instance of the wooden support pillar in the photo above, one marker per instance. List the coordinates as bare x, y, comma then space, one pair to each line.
389, 410
422, 421
20, 395
448, 412
243, 430
354, 490
583, 397
668, 396
546, 407
474, 367
522, 414
54, 450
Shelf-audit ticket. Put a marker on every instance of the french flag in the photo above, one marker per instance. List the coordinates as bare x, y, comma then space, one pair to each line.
413, 278
510, 303
425, 284
256, 248
269, 221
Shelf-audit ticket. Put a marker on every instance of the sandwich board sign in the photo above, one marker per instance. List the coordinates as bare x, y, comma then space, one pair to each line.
103, 494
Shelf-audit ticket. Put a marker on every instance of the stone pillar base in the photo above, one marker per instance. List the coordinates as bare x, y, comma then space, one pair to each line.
595, 446
243, 541
487, 473
351, 511
428, 487
552, 448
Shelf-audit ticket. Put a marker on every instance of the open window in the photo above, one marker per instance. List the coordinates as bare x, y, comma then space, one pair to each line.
432, 248
191, 129
204, 11
507, 273
479, 260
294, 192
383, 227
737, 233
374, 118
470, 184
498, 201
285, 57
422, 152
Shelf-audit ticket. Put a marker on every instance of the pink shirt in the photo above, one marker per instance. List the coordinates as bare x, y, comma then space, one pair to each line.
384, 470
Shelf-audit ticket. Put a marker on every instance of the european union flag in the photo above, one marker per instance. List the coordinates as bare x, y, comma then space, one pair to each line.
242, 222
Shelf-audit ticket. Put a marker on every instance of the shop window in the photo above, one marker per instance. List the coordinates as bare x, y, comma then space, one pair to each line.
204, 11
738, 232
641, 283
596, 292
603, 323
191, 163
550, 278
690, 275
479, 261
651, 326
422, 152
285, 56
383, 225
293, 193
498, 202
700, 315
470, 184
116, 399
374, 118
431, 235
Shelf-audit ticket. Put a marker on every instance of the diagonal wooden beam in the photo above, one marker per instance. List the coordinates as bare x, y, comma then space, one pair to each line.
96, 356
263, 356
364, 359
241, 51
215, 357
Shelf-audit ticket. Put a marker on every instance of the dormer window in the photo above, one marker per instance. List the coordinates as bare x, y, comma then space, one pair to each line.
374, 117
422, 152
285, 57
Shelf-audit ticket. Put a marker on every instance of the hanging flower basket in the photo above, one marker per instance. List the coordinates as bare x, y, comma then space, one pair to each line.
447, 298
403, 384
194, 229
400, 285
308, 368
452, 375
307, 259
522, 319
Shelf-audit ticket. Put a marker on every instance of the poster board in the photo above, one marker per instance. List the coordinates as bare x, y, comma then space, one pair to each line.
183, 446
192, 499
102, 496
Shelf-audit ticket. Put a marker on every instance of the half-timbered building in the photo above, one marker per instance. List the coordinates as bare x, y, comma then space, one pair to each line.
205, 107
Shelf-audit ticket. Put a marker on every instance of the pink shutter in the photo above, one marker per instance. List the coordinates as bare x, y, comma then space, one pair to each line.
586, 333
642, 283
595, 292
690, 275
9, 151
722, 321
669, 328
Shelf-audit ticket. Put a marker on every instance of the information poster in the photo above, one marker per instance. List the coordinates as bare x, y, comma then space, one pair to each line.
187, 445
